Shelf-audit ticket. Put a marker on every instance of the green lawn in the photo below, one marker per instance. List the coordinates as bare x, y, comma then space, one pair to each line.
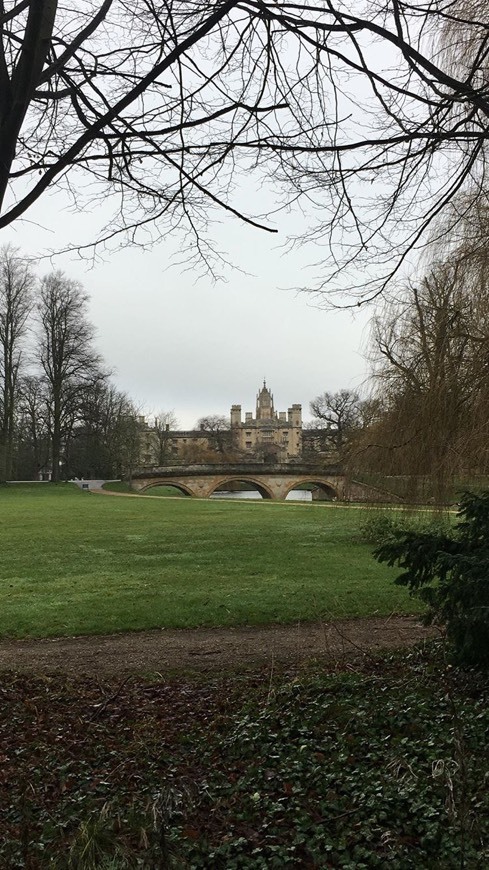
73, 562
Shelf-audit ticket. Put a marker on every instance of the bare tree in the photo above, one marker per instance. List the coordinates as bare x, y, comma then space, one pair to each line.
213, 423
365, 119
339, 415
129, 433
105, 440
122, 430
431, 352
67, 357
219, 427
164, 424
32, 428
16, 286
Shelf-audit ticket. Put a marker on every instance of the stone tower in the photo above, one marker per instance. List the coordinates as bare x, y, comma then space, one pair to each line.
264, 404
271, 434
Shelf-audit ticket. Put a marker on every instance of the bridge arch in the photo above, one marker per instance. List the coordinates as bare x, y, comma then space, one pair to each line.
330, 491
174, 483
264, 490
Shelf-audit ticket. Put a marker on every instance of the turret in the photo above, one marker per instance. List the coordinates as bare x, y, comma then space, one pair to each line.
295, 415
235, 415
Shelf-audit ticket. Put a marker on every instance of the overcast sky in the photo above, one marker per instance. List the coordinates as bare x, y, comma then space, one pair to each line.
177, 341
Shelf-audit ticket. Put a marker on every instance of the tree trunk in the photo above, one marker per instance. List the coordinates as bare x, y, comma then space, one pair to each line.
56, 440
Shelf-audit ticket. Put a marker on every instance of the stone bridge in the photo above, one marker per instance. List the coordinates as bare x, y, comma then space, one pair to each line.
271, 481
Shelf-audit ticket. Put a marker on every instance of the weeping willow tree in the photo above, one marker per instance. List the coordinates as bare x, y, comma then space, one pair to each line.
430, 356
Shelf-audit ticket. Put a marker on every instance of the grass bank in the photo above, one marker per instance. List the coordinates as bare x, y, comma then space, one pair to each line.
73, 562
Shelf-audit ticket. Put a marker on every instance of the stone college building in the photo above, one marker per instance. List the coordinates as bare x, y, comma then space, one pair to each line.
268, 436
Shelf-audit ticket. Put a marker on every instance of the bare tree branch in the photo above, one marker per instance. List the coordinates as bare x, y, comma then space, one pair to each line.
368, 122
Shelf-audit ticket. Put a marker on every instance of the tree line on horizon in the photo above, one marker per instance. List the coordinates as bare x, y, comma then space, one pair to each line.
60, 414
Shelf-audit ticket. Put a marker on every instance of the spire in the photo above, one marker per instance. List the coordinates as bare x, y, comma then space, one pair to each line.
264, 403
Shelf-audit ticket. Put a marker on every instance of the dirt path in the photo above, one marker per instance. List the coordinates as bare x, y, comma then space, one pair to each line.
167, 651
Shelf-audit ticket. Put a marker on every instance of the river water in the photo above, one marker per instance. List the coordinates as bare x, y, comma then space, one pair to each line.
294, 495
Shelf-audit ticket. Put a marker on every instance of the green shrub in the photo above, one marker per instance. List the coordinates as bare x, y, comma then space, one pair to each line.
450, 572
381, 526
378, 527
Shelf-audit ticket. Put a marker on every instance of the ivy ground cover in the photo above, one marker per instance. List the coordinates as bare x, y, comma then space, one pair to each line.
385, 766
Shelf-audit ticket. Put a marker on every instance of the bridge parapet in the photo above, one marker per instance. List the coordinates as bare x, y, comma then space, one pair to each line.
245, 468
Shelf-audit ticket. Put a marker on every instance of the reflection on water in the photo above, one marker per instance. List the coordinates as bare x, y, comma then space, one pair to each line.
294, 495
299, 495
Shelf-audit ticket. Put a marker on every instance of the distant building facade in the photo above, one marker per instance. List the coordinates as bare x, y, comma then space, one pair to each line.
268, 436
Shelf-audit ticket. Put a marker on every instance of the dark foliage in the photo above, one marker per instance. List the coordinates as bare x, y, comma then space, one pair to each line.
382, 767
382, 526
450, 572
